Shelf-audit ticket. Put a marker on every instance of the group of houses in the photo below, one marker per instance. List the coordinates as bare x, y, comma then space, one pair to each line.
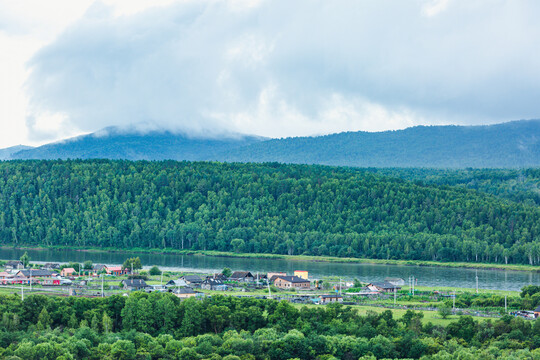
51, 273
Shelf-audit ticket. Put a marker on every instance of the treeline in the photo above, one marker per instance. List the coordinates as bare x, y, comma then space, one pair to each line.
258, 208
160, 326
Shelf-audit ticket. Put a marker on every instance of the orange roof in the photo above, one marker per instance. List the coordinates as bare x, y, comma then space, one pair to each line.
114, 268
69, 270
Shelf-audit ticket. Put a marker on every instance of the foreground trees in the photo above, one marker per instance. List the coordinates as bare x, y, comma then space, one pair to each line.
160, 326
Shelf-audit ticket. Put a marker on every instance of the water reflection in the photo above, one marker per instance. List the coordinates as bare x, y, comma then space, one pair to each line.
428, 276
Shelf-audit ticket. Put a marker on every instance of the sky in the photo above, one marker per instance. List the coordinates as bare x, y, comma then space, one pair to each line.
273, 68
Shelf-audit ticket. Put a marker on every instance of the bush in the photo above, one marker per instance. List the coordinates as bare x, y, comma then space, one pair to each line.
154, 271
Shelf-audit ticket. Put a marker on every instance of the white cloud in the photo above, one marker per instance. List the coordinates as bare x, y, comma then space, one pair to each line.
279, 68
434, 7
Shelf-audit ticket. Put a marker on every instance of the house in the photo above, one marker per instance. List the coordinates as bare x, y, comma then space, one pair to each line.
99, 268
176, 283
159, 288
14, 265
116, 270
5, 275
211, 284
192, 280
35, 273
260, 277
327, 299
184, 293
271, 276
243, 276
301, 274
383, 287
289, 282
537, 312
395, 281
68, 272
220, 277
134, 284
51, 266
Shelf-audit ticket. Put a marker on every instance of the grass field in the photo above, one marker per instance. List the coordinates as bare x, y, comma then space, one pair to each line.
429, 316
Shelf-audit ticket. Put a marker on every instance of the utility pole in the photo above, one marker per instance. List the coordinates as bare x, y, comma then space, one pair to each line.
411, 284
269, 292
395, 294
30, 279
339, 286
454, 301
22, 292
477, 281
162, 279
102, 295
505, 307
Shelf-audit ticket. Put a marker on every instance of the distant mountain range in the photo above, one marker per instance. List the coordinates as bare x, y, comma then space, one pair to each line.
7, 153
114, 143
507, 145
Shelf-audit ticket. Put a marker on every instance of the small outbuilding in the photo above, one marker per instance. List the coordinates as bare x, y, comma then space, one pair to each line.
14, 265
242, 276
537, 312
395, 281
51, 266
192, 280
176, 283
383, 286
116, 270
185, 293
211, 284
68, 272
332, 298
301, 274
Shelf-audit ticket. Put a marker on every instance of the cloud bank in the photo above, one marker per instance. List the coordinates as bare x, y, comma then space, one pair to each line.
286, 68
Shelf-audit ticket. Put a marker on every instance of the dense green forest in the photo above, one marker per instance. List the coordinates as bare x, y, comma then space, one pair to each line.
258, 208
519, 185
160, 326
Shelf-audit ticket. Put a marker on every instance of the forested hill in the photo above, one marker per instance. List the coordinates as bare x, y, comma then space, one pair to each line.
258, 208
519, 185
115, 143
509, 145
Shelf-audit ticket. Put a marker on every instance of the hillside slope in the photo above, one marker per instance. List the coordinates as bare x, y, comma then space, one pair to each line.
7, 153
258, 208
509, 145
113, 143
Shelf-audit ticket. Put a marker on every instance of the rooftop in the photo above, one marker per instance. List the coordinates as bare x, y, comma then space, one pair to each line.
293, 279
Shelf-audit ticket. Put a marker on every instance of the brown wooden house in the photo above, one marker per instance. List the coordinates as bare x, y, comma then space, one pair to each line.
290, 282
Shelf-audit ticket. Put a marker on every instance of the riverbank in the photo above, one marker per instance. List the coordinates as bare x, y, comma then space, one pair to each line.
328, 259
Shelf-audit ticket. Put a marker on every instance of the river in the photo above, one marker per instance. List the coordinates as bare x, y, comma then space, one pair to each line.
426, 275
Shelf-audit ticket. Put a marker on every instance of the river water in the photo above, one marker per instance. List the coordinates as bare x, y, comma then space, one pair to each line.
426, 275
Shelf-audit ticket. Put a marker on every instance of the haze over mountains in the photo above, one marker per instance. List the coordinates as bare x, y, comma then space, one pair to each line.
507, 145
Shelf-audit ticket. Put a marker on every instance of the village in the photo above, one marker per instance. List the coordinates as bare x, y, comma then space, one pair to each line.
51, 275
99, 280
